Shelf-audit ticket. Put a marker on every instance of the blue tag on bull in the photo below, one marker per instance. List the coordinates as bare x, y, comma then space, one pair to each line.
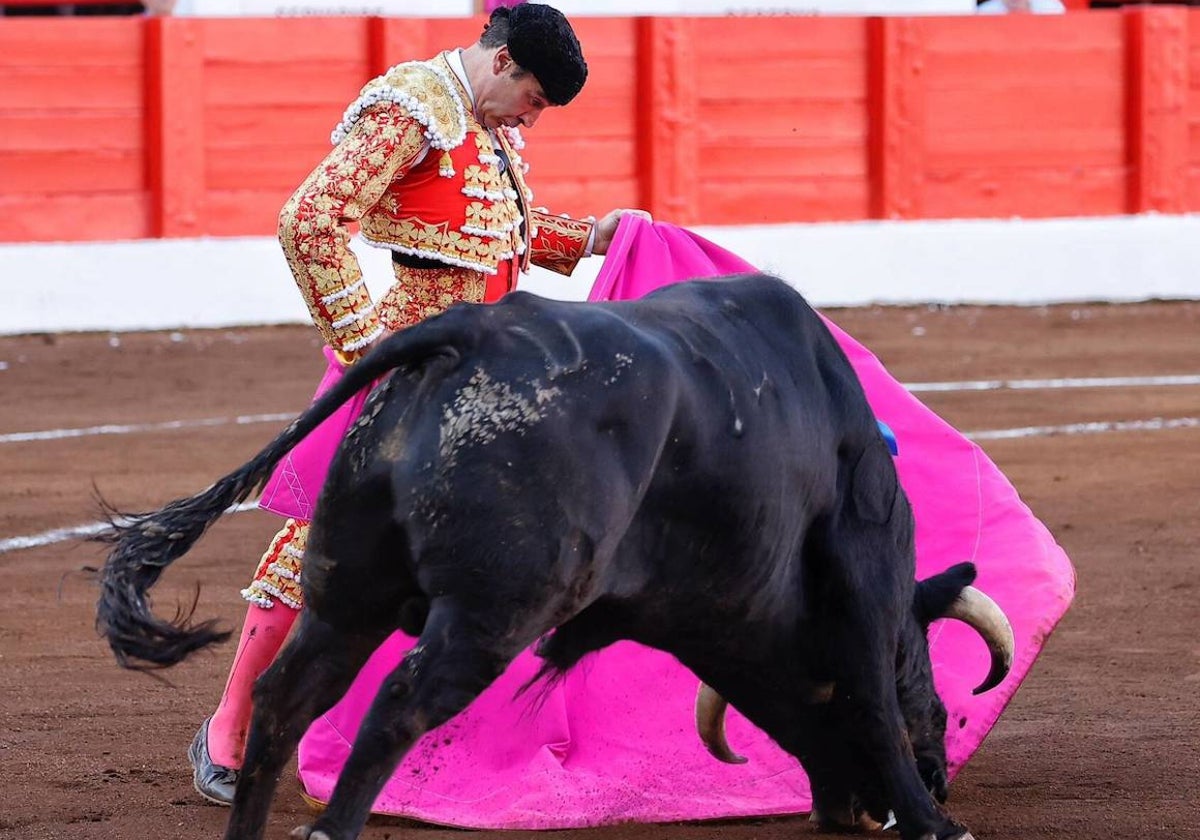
889, 437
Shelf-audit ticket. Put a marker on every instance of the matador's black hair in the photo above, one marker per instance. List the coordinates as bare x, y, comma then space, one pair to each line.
540, 39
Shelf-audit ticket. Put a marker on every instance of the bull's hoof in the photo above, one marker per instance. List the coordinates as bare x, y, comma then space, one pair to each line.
966, 835
844, 822
307, 832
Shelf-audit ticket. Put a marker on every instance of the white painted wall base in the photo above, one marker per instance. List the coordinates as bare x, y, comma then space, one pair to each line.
180, 283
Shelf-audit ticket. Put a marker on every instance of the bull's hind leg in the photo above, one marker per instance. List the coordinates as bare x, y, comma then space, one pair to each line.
460, 652
313, 671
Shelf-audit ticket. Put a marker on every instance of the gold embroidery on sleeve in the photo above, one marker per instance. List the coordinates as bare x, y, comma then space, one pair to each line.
312, 226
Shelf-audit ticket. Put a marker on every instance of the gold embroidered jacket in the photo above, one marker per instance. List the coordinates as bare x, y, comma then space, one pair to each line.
422, 177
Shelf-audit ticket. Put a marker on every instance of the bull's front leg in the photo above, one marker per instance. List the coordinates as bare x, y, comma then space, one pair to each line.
874, 721
457, 656
845, 789
311, 673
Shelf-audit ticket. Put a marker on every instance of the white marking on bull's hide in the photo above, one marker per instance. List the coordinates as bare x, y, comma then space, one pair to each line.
759, 388
620, 362
395, 443
737, 420
485, 408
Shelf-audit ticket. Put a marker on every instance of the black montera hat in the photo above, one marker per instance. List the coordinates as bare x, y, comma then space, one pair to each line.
541, 40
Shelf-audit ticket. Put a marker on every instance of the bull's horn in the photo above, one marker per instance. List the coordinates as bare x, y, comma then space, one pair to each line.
710, 723
979, 611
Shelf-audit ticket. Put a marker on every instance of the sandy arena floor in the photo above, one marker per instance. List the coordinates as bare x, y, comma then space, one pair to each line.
1100, 742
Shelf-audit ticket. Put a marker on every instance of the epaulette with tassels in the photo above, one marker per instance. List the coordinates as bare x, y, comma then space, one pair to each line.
426, 92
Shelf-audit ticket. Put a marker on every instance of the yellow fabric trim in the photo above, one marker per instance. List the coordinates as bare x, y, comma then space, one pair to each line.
420, 293
277, 578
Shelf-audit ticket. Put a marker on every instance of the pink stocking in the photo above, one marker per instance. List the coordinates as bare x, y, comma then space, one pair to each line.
262, 637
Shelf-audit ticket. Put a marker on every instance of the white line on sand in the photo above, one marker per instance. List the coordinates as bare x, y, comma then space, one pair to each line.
78, 532
1055, 384
136, 428
915, 387
1153, 424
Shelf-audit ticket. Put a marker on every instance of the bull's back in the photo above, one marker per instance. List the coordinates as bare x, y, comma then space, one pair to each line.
768, 412
717, 406
760, 367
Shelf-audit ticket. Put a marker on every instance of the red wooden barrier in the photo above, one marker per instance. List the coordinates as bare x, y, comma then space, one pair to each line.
128, 128
669, 155
72, 149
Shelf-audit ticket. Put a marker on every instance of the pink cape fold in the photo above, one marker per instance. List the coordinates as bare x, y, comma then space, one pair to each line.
293, 487
616, 740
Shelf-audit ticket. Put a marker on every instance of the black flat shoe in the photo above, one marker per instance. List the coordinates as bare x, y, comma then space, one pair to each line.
214, 782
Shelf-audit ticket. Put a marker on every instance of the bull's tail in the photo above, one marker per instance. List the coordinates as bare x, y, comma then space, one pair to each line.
143, 545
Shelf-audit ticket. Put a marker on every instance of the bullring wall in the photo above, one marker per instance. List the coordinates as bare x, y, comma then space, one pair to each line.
132, 128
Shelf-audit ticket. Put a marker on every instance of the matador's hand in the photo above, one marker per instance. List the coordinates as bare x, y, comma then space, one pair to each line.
606, 228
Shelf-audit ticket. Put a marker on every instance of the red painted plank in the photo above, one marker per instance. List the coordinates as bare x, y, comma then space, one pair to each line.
1016, 145
898, 106
769, 36
285, 83
610, 120
1068, 105
230, 127
62, 130
771, 201
668, 113
1193, 187
606, 79
449, 33
799, 77
1027, 193
73, 217
1021, 115
970, 36
582, 197
70, 42
245, 212
587, 156
297, 40
1158, 93
1193, 97
814, 159
70, 87
263, 168
393, 40
997, 69
733, 119
80, 170
607, 39
174, 125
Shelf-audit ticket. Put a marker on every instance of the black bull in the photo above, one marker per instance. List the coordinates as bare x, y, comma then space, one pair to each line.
697, 471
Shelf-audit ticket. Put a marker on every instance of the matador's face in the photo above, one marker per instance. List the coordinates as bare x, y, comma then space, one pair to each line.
510, 96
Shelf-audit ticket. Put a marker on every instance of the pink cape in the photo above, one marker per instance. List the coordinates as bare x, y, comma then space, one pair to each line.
616, 741
293, 487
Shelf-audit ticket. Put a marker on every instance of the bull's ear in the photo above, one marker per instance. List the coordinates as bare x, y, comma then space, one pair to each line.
935, 595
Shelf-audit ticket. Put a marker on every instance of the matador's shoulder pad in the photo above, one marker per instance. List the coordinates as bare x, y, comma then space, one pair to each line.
425, 90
